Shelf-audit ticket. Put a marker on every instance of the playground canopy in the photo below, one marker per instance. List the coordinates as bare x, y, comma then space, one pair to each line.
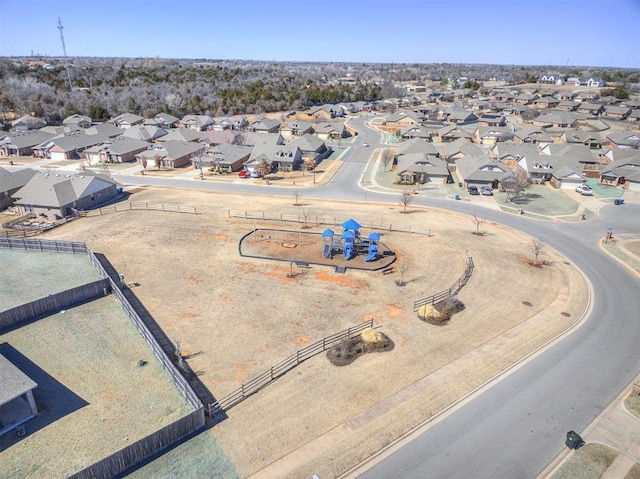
351, 224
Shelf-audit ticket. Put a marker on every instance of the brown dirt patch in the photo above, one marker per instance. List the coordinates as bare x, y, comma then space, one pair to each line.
343, 280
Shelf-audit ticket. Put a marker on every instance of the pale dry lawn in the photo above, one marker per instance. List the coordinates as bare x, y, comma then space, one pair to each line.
238, 316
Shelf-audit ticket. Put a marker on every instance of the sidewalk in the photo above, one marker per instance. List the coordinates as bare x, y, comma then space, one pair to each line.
616, 428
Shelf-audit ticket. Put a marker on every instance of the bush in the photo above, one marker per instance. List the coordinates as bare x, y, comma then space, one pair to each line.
441, 312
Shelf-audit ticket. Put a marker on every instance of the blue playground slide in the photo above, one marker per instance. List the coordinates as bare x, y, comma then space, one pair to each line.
373, 253
348, 248
327, 251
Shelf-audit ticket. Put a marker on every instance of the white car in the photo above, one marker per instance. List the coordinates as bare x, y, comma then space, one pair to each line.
365, 144
584, 190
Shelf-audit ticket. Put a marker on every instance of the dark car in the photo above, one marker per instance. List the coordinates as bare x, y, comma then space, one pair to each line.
473, 190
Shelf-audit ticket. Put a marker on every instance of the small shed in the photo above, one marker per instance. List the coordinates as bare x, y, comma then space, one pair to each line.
17, 404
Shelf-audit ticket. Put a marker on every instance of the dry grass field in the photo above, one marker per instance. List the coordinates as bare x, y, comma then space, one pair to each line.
235, 317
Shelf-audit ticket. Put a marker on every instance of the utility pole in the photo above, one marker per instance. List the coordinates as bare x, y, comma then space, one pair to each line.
64, 50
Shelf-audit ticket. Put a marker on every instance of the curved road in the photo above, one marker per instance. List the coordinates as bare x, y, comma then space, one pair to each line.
518, 426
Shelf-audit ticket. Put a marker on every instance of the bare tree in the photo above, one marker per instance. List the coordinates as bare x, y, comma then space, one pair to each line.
143, 162
536, 247
514, 184
387, 158
305, 214
405, 198
263, 168
404, 267
296, 195
478, 221
157, 159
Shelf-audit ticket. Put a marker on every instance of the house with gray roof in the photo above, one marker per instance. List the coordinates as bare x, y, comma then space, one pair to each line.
480, 170
255, 139
59, 194
415, 131
460, 116
181, 134
580, 137
68, 146
106, 129
422, 168
331, 131
169, 154
264, 125
127, 120
490, 135
296, 128
280, 157
163, 120
16, 395
213, 137
568, 105
624, 139
624, 172
223, 157
614, 112
197, 122
592, 109
556, 119
117, 150
27, 122
535, 135
588, 163
311, 147
452, 133
416, 145
492, 119
22, 143
144, 132
12, 181
460, 148
75, 122
562, 170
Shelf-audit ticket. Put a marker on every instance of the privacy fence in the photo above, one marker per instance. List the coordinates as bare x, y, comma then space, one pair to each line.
324, 220
285, 366
161, 346
453, 290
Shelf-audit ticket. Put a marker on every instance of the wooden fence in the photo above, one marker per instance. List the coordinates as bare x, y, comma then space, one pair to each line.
273, 373
324, 220
143, 449
453, 290
120, 207
54, 303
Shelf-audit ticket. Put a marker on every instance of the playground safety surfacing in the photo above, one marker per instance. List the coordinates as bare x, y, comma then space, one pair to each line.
306, 248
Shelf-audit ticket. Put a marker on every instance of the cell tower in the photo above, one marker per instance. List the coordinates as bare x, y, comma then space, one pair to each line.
64, 50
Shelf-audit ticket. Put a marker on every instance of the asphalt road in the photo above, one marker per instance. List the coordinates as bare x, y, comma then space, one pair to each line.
517, 427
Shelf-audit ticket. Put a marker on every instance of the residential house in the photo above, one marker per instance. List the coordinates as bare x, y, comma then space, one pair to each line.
587, 138
492, 119
616, 154
415, 145
459, 116
253, 139
592, 109
223, 157
296, 128
551, 79
617, 112
280, 157
68, 146
402, 119
422, 168
311, 147
182, 134
634, 115
163, 120
415, 131
510, 152
12, 181
127, 120
480, 170
624, 139
546, 102
324, 113
197, 122
587, 96
556, 119
105, 129
170, 154
214, 138
27, 122
526, 98
589, 82
264, 125
331, 131
451, 133
117, 150
490, 135
61, 195
535, 135
624, 172
568, 105
75, 122
588, 164
145, 132
22, 143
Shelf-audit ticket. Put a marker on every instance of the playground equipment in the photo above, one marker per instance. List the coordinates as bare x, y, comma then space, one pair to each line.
350, 243
374, 238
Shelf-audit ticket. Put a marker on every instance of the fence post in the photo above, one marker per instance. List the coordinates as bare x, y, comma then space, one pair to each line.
349, 332
271, 369
242, 390
298, 357
324, 343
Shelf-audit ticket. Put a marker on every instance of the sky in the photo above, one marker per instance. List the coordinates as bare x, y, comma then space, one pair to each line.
603, 33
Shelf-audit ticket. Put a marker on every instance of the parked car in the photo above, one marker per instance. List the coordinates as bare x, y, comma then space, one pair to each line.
473, 190
365, 144
244, 174
254, 175
486, 191
584, 190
